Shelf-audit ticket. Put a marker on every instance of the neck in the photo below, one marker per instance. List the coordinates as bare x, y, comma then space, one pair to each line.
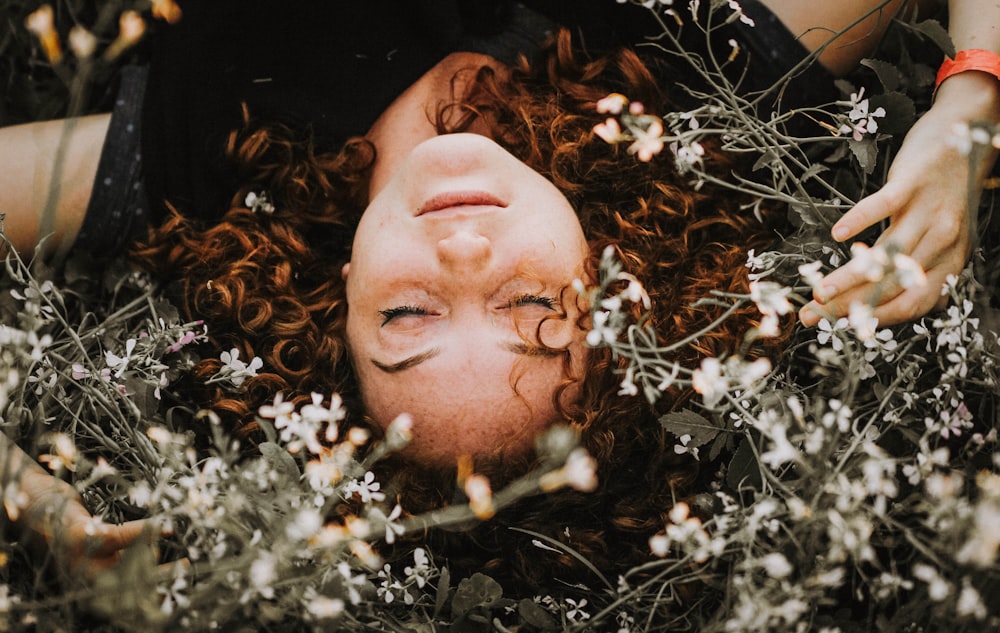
410, 119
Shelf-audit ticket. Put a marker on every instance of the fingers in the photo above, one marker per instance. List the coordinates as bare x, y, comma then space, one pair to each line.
892, 302
113, 538
890, 309
882, 205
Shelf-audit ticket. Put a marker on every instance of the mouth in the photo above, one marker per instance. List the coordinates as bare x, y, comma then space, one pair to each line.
465, 201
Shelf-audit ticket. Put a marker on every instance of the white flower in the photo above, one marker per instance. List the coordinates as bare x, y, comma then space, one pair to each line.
770, 297
908, 271
738, 11
687, 156
323, 608
477, 489
610, 130
612, 104
937, 587
628, 386
581, 470
861, 317
782, 451
776, 565
754, 262
119, 364
709, 381
392, 528
970, 603
305, 524
367, 489
400, 431
635, 292
576, 613
82, 42
811, 274
683, 447
601, 333
421, 570
872, 261
648, 142
263, 572
862, 121
279, 410
235, 370
748, 374
829, 333
258, 203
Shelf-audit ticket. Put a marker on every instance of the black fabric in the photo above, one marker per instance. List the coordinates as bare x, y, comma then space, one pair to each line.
328, 65
331, 67
119, 209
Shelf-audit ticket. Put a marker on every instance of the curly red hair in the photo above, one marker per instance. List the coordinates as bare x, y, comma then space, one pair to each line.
270, 286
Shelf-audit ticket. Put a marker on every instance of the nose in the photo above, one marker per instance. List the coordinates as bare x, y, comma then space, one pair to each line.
465, 248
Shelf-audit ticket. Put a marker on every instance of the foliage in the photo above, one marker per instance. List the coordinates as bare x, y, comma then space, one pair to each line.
858, 477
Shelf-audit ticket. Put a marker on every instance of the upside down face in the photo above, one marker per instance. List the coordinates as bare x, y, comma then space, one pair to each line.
458, 294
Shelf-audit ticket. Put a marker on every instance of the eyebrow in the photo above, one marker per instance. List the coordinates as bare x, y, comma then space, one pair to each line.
522, 349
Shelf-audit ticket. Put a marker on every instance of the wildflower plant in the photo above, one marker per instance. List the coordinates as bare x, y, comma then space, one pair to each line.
856, 478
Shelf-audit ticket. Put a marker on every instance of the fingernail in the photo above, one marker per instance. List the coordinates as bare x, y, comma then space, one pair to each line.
840, 233
824, 293
807, 316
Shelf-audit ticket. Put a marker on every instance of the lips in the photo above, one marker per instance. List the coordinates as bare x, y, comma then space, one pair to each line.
458, 199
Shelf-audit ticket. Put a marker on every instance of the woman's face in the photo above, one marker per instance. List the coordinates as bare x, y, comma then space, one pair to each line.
457, 260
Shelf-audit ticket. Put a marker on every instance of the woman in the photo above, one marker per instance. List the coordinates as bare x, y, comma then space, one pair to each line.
537, 375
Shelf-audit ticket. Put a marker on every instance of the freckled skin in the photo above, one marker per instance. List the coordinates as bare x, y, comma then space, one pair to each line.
464, 269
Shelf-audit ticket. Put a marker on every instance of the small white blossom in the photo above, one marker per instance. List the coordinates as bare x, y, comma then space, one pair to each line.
648, 142
234, 369
612, 104
683, 447
709, 381
367, 488
776, 565
770, 297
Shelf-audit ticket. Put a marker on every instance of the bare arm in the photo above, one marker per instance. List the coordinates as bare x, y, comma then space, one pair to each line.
860, 24
50, 164
926, 198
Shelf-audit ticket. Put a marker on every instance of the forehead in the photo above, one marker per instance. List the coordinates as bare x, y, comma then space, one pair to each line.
465, 402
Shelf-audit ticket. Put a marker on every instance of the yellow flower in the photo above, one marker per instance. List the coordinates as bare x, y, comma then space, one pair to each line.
167, 10
41, 22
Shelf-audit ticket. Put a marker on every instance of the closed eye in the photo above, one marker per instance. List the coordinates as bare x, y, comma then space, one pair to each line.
400, 311
524, 300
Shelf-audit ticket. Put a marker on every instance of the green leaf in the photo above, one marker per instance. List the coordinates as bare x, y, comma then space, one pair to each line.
478, 590
865, 152
533, 614
744, 471
900, 113
724, 442
888, 75
932, 30
443, 589
279, 459
767, 158
687, 422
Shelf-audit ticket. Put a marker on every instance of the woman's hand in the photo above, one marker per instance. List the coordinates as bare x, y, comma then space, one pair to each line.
926, 200
80, 544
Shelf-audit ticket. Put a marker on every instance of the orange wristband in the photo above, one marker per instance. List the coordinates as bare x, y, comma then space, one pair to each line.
971, 59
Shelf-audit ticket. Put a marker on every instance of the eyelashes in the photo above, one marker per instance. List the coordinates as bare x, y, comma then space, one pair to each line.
392, 313
523, 300
517, 302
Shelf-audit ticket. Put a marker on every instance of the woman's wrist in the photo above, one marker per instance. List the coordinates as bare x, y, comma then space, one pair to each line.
974, 60
970, 96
